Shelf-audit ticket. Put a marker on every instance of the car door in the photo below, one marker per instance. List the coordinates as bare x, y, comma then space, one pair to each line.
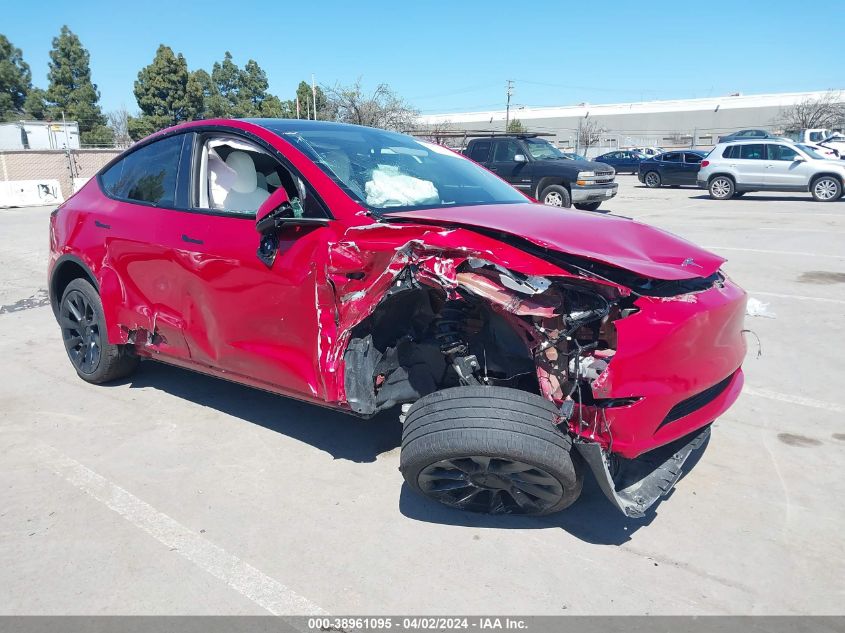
750, 164
143, 190
785, 170
503, 163
242, 316
689, 169
671, 167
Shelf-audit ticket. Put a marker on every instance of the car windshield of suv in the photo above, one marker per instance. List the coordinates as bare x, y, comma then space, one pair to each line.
809, 151
543, 150
388, 171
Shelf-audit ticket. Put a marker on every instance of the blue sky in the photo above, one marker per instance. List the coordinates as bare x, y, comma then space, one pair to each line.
455, 56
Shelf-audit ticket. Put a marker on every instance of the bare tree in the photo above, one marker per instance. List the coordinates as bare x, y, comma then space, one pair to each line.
382, 108
439, 133
118, 121
828, 111
589, 134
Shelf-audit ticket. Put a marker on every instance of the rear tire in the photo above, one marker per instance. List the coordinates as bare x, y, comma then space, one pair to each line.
492, 450
652, 180
83, 326
826, 189
556, 196
588, 206
721, 188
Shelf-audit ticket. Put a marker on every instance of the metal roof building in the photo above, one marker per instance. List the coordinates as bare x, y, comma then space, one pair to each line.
680, 122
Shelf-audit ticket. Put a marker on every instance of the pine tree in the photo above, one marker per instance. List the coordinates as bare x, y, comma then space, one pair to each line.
306, 101
165, 94
71, 90
15, 81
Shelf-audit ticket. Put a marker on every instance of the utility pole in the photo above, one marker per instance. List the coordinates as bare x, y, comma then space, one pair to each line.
508, 107
314, 95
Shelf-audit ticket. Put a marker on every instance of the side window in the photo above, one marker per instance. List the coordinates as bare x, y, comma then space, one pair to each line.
148, 174
751, 151
672, 157
781, 152
236, 176
815, 137
692, 158
505, 151
480, 151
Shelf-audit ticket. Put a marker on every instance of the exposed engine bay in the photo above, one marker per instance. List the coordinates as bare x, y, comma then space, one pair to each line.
497, 327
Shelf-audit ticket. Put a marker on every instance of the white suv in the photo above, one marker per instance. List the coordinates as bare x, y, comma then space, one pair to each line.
737, 167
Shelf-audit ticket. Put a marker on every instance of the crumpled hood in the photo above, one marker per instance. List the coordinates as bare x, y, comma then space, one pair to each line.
640, 248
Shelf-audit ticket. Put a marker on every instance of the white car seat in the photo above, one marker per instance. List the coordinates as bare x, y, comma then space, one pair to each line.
244, 193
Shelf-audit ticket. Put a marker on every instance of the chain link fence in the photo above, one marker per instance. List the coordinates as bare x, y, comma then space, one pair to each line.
43, 177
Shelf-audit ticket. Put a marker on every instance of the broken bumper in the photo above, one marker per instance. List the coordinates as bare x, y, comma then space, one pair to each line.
638, 483
593, 193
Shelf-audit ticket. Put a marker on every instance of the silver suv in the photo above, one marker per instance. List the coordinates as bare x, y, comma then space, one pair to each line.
736, 167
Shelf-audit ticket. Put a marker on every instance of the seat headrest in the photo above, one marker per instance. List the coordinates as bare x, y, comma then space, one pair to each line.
246, 179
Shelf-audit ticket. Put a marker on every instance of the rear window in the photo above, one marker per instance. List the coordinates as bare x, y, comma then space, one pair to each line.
480, 151
146, 175
671, 157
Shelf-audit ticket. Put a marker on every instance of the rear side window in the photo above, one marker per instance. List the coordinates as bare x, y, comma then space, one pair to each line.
671, 157
146, 175
480, 151
751, 151
729, 152
692, 158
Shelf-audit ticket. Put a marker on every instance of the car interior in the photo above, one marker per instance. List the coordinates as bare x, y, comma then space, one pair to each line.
237, 177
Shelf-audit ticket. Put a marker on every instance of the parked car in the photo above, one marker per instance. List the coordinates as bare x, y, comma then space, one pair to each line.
733, 169
743, 135
365, 271
834, 143
542, 171
622, 160
671, 168
650, 152
809, 135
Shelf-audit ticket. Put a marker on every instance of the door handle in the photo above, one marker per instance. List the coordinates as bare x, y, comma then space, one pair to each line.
190, 240
101, 225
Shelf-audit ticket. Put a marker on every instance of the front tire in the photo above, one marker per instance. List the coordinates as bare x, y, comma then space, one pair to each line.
826, 189
556, 196
492, 450
652, 180
721, 188
83, 326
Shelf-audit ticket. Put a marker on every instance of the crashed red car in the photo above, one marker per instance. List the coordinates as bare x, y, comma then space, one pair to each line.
366, 270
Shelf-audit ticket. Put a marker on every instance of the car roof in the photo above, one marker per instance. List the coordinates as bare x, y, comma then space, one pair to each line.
774, 139
280, 126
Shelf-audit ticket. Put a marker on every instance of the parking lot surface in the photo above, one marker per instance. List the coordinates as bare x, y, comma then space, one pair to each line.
176, 493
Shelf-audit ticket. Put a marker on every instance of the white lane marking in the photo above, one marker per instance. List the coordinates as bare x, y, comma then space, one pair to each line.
798, 297
777, 228
799, 400
768, 252
263, 590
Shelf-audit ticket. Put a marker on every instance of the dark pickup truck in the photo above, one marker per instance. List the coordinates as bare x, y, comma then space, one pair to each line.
541, 170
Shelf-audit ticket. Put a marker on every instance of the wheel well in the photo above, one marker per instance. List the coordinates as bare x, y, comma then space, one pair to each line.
831, 174
732, 179
65, 272
550, 180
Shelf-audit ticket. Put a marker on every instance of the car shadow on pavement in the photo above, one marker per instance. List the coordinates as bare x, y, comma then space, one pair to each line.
592, 518
342, 436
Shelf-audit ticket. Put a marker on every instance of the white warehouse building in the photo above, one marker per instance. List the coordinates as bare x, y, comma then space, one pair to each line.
676, 123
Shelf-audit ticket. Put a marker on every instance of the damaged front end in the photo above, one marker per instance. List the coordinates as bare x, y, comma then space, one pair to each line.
450, 316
